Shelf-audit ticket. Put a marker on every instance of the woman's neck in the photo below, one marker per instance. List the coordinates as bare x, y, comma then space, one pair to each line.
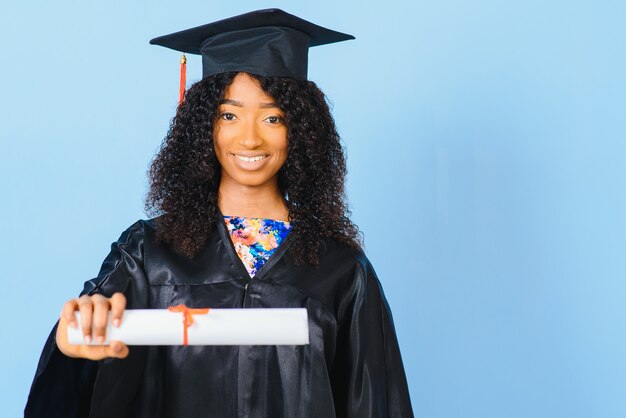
263, 201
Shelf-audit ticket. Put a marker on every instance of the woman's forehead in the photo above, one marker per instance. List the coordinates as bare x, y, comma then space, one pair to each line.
246, 90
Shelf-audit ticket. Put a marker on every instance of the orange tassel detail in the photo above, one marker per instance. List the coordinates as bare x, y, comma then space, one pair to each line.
183, 79
187, 317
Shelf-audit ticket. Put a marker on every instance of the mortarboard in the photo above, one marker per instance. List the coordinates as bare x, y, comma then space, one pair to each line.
267, 42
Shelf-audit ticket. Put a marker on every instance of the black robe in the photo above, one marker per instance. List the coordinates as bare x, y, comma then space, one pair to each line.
351, 368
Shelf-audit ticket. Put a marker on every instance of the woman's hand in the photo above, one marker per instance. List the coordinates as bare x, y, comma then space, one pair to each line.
94, 312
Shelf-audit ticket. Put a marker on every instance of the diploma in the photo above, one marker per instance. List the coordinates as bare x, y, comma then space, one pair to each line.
182, 326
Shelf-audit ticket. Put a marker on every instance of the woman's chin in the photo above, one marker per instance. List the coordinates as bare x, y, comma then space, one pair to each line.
252, 180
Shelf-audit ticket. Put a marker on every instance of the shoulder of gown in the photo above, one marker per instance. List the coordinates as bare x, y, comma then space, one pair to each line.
368, 368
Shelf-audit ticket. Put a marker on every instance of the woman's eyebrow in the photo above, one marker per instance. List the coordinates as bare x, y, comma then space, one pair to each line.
240, 104
232, 102
268, 105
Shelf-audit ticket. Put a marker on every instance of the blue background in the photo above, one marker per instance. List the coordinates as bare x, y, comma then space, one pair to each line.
486, 148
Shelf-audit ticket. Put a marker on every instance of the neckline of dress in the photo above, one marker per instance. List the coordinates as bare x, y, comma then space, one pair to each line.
254, 217
234, 257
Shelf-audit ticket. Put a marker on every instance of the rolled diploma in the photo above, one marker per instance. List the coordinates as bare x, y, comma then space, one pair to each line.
275, 326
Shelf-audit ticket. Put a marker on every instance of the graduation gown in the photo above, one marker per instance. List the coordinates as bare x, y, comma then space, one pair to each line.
351, 368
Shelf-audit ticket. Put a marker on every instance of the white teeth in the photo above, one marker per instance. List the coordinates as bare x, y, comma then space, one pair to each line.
250, 159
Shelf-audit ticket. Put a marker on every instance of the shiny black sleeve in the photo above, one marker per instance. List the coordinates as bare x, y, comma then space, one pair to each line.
62, 386
368, 374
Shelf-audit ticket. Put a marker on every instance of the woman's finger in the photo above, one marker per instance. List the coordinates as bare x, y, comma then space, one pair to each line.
85, 307
101, 308
68, 312
118, 304
61, 337
117, 349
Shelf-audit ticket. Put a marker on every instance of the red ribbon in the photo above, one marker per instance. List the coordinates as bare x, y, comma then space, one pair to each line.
183, 79
187, 317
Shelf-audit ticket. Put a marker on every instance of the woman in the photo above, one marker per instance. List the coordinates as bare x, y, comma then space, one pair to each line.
248, 189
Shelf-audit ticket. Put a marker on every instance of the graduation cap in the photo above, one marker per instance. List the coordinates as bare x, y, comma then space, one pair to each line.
267, 42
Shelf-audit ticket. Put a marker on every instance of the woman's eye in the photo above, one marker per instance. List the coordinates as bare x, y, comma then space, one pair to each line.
274, 119
227, 116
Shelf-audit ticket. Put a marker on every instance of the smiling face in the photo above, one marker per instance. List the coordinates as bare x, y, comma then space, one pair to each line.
250, 135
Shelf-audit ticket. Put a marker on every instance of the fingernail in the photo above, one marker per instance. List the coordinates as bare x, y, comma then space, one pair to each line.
117, 348
116, 322
100, 339
87, 339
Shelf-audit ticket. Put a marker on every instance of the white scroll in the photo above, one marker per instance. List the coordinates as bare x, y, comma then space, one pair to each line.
276, 326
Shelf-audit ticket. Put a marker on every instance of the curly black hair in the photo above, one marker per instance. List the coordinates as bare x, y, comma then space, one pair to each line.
185, 174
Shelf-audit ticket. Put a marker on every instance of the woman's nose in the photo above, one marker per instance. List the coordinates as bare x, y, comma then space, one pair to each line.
250, 136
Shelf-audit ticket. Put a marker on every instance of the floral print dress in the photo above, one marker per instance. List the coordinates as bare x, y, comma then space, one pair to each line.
255, 239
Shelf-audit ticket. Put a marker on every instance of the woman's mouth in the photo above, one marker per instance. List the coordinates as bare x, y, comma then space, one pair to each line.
250, 162
251, 159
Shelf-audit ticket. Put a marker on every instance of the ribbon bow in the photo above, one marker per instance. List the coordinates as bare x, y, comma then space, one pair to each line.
187, 317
